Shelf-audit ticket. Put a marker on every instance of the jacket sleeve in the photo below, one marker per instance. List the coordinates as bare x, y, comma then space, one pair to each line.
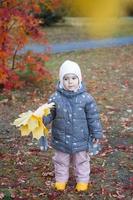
93, 118
49, 118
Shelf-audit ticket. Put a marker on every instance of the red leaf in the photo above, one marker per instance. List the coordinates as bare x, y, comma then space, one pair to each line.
97, 170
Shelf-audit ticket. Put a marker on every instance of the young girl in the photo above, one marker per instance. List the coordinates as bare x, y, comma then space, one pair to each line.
75, 124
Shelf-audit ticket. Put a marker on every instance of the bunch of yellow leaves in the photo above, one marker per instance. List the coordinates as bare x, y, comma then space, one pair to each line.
32, 121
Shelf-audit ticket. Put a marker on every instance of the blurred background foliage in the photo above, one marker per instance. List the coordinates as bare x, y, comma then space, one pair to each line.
49, 16
19, 24
129, 8
101, 16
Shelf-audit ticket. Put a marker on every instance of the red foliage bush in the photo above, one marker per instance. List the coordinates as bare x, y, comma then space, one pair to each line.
17, 27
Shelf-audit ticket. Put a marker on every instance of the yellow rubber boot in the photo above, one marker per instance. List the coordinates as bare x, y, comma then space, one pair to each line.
60, 186
81, 187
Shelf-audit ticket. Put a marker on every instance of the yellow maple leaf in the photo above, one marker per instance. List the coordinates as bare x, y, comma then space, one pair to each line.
23, 119
32, 121
38, 132
24, 130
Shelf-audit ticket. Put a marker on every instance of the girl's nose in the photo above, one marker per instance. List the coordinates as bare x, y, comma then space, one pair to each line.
70, 80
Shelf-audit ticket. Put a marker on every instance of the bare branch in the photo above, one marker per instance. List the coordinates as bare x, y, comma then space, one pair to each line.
10, 27
14, 57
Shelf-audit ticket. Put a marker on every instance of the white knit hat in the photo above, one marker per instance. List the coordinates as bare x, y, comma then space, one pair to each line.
69, 67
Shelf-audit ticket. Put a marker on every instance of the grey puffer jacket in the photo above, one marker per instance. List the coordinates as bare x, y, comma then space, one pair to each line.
75, 120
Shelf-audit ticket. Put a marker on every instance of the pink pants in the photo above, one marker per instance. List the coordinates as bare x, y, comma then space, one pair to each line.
81, 164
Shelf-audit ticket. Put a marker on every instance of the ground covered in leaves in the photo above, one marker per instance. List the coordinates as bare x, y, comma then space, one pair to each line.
27, 173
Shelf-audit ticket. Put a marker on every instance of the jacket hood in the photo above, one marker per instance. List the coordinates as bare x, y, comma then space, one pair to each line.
71, 93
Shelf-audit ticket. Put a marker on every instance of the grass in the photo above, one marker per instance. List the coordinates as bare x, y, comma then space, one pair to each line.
26, 173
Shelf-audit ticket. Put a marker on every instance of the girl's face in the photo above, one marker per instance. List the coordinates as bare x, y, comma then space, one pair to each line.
70, 82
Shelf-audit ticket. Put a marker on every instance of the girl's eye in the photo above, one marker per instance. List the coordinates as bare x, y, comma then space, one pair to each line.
66, 78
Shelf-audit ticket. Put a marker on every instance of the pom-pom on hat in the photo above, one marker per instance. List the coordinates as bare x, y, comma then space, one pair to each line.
69, 67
